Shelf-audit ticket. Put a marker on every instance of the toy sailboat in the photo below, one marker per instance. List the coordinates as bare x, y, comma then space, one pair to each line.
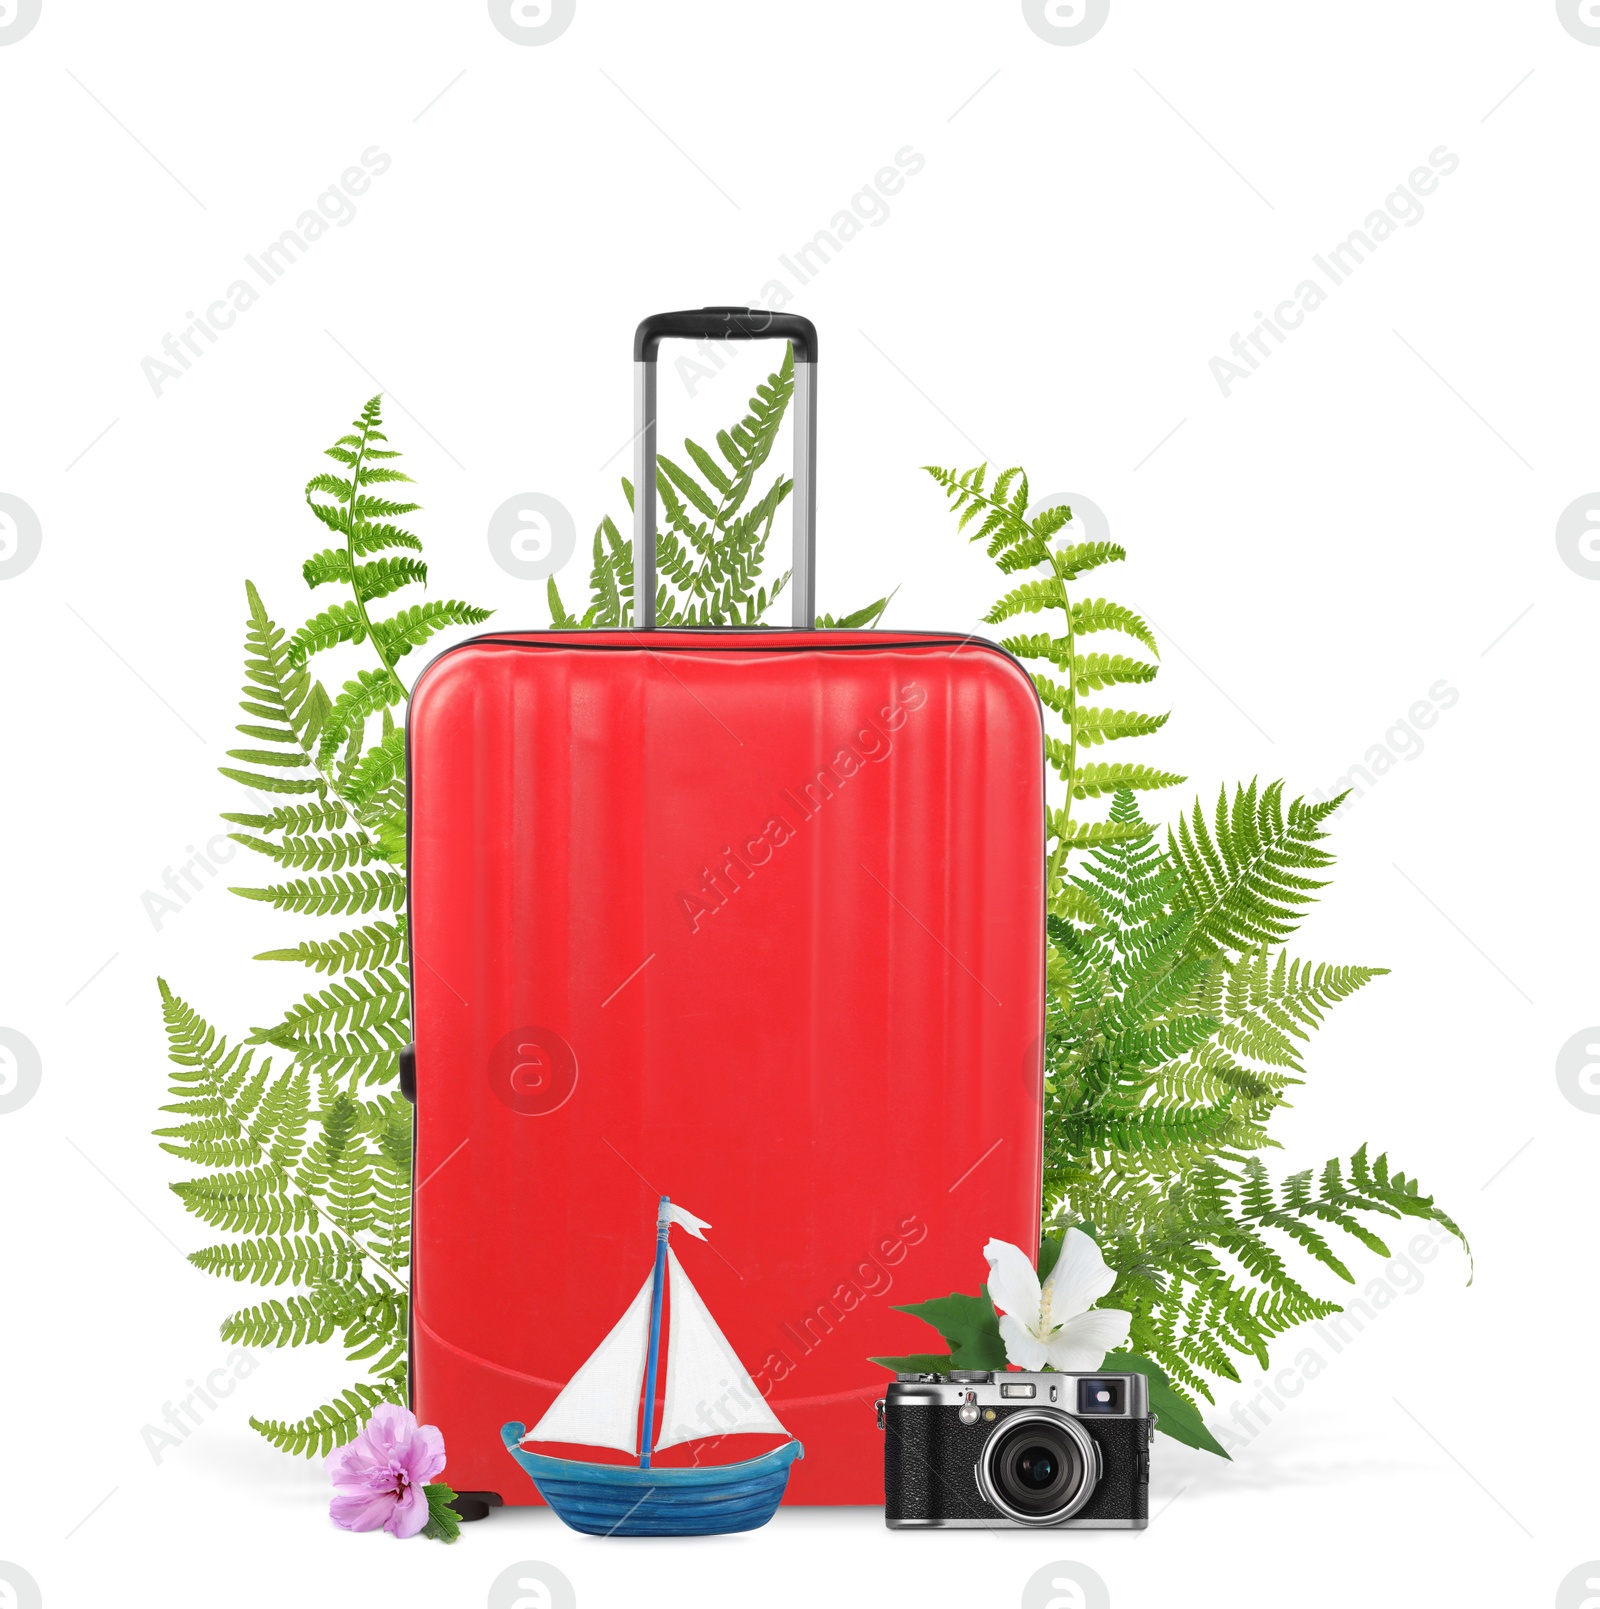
599, 1407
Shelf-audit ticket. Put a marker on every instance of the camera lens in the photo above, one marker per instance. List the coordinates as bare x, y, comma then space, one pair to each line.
1039, 1467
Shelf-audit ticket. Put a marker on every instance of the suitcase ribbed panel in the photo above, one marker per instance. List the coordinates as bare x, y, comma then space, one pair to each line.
835, 1059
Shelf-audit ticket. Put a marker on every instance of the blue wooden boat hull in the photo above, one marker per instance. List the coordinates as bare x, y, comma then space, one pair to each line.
624, 1500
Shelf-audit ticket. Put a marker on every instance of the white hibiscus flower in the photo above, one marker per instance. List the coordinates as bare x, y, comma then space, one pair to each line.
1056, 1323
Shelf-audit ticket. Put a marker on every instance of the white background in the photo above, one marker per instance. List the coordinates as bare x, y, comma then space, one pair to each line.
1371, 512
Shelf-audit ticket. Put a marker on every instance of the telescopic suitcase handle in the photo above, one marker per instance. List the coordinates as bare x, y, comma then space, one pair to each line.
726, 324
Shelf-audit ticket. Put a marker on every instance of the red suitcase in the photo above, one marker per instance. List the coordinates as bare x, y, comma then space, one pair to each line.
752, 918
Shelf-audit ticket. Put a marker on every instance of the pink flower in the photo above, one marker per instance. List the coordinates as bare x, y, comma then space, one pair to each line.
378, 1479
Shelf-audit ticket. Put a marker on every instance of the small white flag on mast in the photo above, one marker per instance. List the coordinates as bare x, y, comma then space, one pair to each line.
686, 1220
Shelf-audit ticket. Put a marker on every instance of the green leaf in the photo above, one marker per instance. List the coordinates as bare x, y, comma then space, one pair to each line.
868, 615
969, 1325
1093, 781
347, 894
336, 1424
1031, 598
341, 623
383, 576
364, 695
919, 1363
1075, 561
1245, 874
1176, 1416
444, 1524
1097, 614
376, 945
412, 627
313, 1179
559, 618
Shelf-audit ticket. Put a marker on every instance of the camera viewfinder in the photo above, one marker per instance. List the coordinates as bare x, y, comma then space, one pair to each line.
1102, 1396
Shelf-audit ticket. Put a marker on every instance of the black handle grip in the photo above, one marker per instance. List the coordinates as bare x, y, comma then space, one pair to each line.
725, 324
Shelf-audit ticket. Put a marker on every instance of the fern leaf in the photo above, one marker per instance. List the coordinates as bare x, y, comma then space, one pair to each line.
278, 692
559, 618
1092, 781
1093, 726
1092, 672
1092, 834
275, 1260
318, 852
1097, 614
1085, 556
353, 1027
294, 1321
1031, 598
1245, 874
344, 622
323, 816
336, 1423
366, 948
378, 768
859, 619
364, 695
350, 894
383, 576
215, 1201
412, 627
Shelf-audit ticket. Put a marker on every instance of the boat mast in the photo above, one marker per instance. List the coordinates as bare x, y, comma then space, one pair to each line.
658, 1287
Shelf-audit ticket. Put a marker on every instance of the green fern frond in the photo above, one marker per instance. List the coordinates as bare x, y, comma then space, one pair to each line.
336, 1423
351, 894
293, 1321
1031, 598
365, 522
859, 619
274, 1260
1094, 726
559, 618
1098, 614
251, 1200
1166, 1056
366, 693
1090, 834
1148, 1129
383, 576
280, 693
367, 948
318, 852
350, 1029
1093, 672
412, 627
301, 820
344, 622
1093, 781
357, 1002
1100, 780
377, 769
320, 1198
1245, 874
1074, 561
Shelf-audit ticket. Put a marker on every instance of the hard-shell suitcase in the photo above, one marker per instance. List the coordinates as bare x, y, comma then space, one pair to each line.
753, 918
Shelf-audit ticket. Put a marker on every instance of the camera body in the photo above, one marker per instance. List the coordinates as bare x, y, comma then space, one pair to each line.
1014, 1449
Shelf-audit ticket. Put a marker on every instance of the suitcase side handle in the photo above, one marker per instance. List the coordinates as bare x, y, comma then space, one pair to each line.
725, 324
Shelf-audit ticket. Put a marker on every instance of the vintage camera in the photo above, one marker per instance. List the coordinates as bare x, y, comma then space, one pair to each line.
974, 1447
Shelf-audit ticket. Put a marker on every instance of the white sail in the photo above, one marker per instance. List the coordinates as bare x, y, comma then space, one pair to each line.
709, 1392
599, 1405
